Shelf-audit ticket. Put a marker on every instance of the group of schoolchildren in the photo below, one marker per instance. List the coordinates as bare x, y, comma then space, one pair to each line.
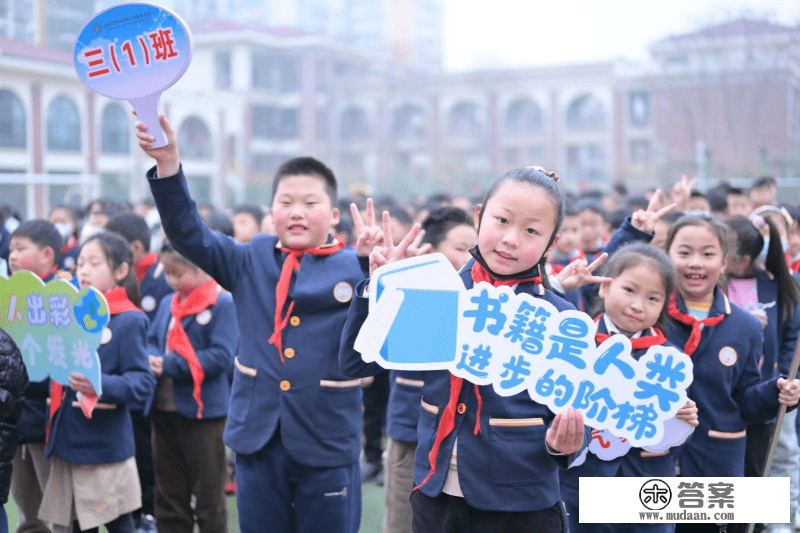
254, 348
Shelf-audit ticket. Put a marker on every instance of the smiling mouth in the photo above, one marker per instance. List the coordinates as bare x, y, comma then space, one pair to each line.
504, 255
695, 277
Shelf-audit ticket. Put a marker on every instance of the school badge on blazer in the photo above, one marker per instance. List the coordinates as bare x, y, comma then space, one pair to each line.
728, 356
148, 303
343, 292
105, 337
203, 317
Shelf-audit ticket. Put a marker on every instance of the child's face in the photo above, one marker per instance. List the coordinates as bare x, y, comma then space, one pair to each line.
592, 228
517, 225
244, 227
94, 269
635, 299
569, 236
739, 204
763, 196
699, 261
302, 212
182, 277
27, 255
457, 243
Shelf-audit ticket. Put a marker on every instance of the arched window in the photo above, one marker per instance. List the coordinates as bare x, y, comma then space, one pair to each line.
63, 126
586, 112
114, 130
523, 116
464, 121
353, 125
194, 139
409, 122
12, 121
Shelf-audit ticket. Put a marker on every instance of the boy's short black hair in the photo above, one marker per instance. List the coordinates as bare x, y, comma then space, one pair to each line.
718, 200
591, 204
307, 166
131, 227
764, 181
401, 215
570, 209
41, 233
735, 191
220, 222
252, 210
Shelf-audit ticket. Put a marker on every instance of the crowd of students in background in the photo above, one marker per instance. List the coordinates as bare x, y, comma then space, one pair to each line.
152, 455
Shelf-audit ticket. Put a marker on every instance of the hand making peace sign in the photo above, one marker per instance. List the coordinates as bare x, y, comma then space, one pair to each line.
383, 255
368, 233
579, 273
646, 220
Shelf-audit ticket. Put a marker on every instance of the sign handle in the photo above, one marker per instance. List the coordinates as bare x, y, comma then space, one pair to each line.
146, 109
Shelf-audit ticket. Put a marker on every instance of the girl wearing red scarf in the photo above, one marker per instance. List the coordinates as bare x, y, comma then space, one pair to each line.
485, 462
94, 480
725, 343
196, 337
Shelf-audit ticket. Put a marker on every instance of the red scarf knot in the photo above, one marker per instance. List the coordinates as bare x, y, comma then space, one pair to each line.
481, 274
69, 245
689, 320
118, 301
643, 341
144, 265
196, 302
290, 265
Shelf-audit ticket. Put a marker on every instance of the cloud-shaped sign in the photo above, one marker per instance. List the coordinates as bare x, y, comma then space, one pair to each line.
422, 318
57, 327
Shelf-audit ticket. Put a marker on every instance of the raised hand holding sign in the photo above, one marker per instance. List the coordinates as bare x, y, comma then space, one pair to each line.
134, 52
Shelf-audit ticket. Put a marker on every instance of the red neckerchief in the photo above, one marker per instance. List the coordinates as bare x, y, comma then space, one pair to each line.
118, 301
480, 274
198, 301
795, 267
53, 269
689, 320
638, 343
291, 264
144, 265
71, 243
447, 423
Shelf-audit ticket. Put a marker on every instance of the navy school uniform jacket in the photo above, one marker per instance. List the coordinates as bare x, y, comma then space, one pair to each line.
504, 467
214, 335
317, 406
727, 388
107, 437
402, 412
68, 259
32, 423
153, 288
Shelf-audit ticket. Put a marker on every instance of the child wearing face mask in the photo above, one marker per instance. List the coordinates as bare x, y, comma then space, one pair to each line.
65, 219
485, 462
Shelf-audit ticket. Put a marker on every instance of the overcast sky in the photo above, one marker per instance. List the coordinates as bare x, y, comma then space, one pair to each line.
535, 32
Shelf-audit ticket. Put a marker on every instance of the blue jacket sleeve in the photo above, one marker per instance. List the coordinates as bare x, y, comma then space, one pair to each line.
789, 335
135, 383
213, 252
350, 360
757, 400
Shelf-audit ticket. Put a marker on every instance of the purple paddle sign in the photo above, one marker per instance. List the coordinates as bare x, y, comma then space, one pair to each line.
134, 52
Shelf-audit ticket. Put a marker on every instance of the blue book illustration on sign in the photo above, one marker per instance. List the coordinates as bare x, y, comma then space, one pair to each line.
426, 325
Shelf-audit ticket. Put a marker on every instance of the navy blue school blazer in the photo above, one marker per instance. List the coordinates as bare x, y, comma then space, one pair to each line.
153, 288
316, 406
504, 467
402, 412
107, 437
214, 335
727, 388
32, 424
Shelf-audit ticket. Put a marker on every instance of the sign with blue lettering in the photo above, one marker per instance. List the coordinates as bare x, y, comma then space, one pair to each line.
134, 52
422, 318
57, 327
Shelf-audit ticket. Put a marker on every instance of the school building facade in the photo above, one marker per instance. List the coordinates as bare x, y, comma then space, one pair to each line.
722, 102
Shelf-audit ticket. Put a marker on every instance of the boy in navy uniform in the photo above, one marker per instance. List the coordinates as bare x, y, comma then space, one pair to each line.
294, 418
192, 342
35, 246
